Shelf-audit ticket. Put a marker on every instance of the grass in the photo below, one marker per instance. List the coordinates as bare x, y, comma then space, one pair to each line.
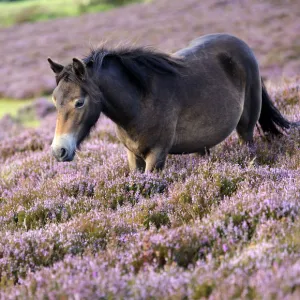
34, 123
18, 12
31, 11
12, 106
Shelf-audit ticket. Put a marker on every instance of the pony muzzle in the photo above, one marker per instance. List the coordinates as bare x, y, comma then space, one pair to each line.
63, 147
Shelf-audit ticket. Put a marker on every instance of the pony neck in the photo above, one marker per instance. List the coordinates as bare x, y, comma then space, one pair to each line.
121, 99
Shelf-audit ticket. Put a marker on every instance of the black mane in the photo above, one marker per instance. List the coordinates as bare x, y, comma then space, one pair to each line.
136, 61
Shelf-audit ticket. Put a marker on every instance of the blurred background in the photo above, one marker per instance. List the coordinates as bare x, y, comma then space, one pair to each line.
32, 30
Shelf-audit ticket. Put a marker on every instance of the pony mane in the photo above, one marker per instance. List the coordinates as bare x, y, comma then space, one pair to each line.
137, 63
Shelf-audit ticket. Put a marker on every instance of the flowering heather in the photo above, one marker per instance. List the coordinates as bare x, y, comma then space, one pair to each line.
223, 226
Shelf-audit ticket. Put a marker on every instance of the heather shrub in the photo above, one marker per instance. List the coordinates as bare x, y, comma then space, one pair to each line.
224, 225
199, 212
22, 144
128, 188
202, 191
157, 218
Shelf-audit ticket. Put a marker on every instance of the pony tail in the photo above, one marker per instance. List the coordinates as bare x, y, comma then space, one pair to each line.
271, 120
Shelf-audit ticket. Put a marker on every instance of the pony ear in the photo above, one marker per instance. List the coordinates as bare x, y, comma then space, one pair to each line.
56, 68
79, 68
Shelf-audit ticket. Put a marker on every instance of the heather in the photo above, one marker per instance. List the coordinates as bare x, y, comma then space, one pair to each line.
225, 224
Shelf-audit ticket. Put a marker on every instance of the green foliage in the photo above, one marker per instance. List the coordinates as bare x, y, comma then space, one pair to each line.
31, 10
11, 106
228, 186
159, 219
40, 217
203, 290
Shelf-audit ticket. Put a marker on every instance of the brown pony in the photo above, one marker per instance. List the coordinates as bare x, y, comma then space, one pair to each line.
182, 103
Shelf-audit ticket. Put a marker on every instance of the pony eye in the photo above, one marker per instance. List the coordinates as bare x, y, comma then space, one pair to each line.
79, 103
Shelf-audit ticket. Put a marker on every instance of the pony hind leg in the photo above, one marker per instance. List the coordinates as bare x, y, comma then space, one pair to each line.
251, 113
245, 133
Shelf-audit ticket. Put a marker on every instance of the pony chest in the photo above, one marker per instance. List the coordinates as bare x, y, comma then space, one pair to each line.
132, 141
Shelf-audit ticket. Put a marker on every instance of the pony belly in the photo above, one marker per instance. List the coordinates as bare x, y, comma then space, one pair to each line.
191, 145
202, 140
185, 149
194, 147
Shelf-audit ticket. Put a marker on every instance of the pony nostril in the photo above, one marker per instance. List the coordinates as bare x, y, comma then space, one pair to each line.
63, 152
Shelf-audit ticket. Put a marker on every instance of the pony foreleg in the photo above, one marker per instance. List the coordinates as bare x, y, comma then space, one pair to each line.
155, 160
135, 162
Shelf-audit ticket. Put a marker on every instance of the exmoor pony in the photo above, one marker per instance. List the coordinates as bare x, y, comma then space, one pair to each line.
161, 103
